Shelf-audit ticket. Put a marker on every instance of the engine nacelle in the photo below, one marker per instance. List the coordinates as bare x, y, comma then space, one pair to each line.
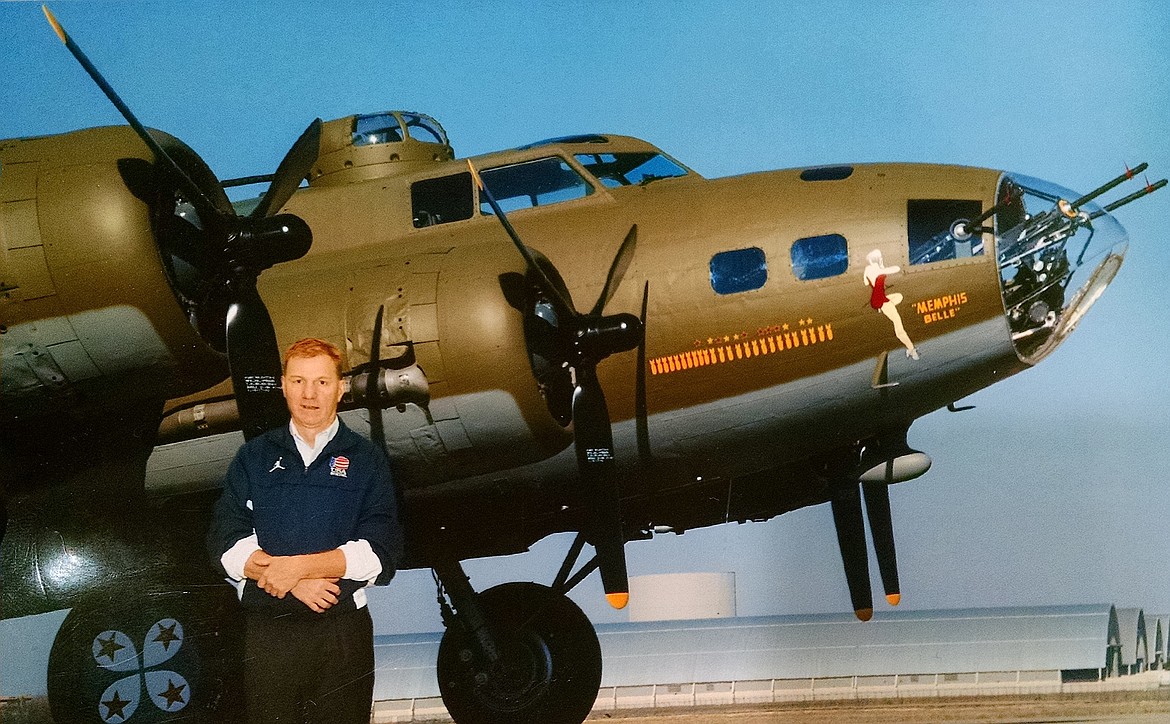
88, 316
477, 407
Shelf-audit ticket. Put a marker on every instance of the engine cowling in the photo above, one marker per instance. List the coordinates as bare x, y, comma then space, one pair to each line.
89, 318
452, 314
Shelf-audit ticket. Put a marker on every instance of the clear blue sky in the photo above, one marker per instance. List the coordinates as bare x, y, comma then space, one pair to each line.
1054, 490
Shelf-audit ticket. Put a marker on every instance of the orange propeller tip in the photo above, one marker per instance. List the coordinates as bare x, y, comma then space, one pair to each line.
863, 614
56, 25
618, 600
894, 598
475, 174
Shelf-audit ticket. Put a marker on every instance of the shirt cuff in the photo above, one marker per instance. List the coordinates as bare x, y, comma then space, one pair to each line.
236, 557
361, 563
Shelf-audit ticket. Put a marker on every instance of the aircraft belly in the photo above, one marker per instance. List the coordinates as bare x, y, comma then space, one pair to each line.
768, 427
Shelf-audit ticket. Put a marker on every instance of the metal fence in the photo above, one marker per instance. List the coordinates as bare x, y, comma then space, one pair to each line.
903, 686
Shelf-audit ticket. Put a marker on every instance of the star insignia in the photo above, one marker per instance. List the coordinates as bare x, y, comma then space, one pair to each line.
785, 327
726, 338
115, 707
166, 635
110, 647
710, 340
735, 337
173, 693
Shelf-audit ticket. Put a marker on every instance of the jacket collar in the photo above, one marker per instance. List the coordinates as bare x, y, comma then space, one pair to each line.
343, 440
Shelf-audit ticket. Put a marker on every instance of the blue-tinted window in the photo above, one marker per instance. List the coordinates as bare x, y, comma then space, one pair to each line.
424, 128
533, 183
820, 257
376, 128
626, 169
741, 270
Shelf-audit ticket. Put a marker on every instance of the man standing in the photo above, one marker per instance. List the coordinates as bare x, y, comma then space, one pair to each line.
306, 521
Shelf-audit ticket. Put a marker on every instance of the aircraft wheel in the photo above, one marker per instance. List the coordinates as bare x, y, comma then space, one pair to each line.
549, 667
148, 659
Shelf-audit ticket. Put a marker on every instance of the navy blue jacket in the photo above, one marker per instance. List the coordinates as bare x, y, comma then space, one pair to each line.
346, 494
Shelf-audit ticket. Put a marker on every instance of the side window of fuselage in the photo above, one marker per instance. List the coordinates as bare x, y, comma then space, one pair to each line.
820, 257
737, 271
928, 229
441, 200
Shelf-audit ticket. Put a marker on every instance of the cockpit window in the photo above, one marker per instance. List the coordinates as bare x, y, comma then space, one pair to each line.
376, 128
423, 128
627, 169
929, 225
533, 183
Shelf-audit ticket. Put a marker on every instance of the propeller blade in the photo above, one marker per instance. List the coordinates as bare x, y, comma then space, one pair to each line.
617, 270
881, 527
546, 284
850, 526
196, 195
641, 411
593, 439
377, 431
254, 359
293, 169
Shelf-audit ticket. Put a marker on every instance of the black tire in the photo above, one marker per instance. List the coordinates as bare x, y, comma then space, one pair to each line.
146, 659
550, 664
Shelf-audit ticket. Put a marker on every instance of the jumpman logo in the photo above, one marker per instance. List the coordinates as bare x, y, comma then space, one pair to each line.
277, 466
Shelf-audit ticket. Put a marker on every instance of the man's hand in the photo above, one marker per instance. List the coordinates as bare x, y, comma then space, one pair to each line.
281, 574
256, 565
318, 594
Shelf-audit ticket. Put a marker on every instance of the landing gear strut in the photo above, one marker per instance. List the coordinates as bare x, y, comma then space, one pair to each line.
518, 653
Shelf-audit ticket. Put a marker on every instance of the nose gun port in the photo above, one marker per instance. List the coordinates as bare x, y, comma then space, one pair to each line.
1056, 256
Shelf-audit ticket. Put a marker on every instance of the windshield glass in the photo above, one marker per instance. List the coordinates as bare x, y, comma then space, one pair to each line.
628, 169
533, 183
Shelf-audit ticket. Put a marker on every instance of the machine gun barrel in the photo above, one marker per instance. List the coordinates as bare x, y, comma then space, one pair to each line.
1129, 173
1126, 199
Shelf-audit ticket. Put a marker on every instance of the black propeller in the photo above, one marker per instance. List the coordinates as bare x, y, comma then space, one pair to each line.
582, 341
846, 505
233, 250
886, 460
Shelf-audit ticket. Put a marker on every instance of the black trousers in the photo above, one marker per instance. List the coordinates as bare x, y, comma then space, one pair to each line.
310, 669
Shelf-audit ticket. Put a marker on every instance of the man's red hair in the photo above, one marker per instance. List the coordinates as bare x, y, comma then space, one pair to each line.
313, 347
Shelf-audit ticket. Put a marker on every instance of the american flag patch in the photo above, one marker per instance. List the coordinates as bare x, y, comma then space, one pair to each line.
338, 465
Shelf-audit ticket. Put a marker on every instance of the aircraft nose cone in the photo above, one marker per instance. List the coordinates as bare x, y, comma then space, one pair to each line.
1054, 263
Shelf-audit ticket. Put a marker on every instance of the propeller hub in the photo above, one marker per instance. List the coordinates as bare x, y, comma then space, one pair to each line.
598, 337
259, 243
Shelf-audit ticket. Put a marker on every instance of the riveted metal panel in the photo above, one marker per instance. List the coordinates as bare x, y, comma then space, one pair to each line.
18, 181
18, 225
28, 270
